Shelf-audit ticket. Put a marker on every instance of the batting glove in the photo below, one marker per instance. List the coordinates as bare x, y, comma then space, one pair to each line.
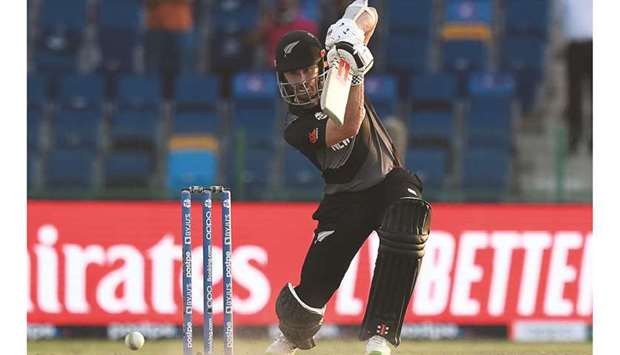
358, 56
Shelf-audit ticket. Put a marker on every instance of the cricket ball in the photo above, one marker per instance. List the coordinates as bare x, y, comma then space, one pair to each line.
134, 340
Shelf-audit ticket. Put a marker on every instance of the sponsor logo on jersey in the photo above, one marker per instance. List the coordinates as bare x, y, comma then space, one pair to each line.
342, 144
320, 115
313, 136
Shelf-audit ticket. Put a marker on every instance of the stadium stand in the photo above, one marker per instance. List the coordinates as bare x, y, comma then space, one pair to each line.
223, 109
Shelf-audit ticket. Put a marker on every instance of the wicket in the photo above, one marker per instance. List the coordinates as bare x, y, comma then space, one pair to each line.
186, 204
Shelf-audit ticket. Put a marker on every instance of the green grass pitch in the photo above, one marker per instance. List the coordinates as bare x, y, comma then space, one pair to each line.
324, 347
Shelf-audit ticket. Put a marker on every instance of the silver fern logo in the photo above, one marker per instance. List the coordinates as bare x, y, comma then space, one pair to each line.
289, 48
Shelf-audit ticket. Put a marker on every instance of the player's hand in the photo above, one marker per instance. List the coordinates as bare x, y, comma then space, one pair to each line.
358, 56
344, 30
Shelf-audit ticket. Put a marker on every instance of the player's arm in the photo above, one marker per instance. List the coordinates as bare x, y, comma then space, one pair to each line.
354, 115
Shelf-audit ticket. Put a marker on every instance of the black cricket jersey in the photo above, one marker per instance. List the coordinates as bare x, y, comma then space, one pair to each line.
353, 164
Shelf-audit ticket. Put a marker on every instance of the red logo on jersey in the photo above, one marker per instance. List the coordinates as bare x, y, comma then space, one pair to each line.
313, 136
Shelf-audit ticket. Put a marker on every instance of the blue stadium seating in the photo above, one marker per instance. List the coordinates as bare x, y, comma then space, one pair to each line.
134, 130
33, 127
469, 11
62, 23
486, 170
413, 55
37, 92
255, 105
407, 15
234, 16
119, 22
531, 17
522, 52
70, 169
196, 93
431, 128
310, 9
491, 84
56, 51
429, 90
120, 14
257, 168
430, 164
524, 57
73, 129
136, 92
464, 56
300, 174
489, 118
128, 169
82, 91
31, 169
117, 49
69, 15
382, 92
229, 53
190, 167
196, 123
489, 122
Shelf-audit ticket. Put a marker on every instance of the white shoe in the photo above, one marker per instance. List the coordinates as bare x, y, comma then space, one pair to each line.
377, 346
281, 346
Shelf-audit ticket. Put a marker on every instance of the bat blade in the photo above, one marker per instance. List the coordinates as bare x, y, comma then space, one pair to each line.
336, 91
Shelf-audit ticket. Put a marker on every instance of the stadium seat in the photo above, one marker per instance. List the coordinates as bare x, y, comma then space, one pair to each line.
255, 105
234, 16
139, 93
252, 169
56, 51
197, 123
407, 15
491, 84
430, 164
34, 128
82, 91
69, 15
69, 169
431, 128
229, 53
190, 167
73, 129
413, 56
310, 9
61, 25
486, 171
32, 169
135, 130
524, 57
300, 175
527, 17
464, 56
488, 122
128, 169
196, 93
468, 19
120, 14
37, 92
118, 46
382, 92
433, 91
469, 11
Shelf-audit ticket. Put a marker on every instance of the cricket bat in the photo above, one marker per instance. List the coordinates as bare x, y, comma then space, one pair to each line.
338, 81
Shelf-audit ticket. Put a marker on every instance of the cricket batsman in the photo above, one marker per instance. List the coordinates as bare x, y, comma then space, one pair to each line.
366, 189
